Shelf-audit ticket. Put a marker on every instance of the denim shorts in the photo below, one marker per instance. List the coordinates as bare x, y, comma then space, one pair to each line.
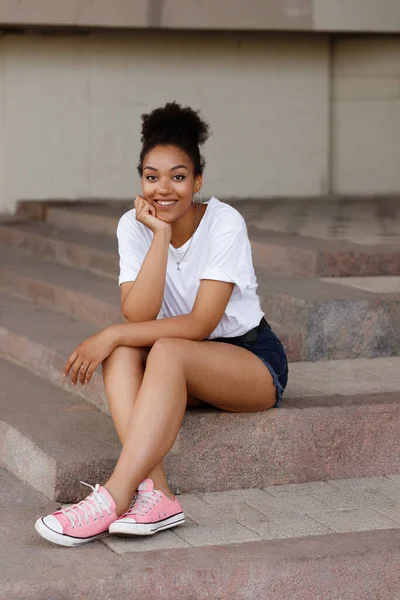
270, 350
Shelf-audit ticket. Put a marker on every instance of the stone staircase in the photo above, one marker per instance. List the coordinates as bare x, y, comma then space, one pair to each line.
341, 413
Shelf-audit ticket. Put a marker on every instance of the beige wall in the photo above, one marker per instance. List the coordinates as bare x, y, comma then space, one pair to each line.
357, 15
267, 15
70, 112
366, 116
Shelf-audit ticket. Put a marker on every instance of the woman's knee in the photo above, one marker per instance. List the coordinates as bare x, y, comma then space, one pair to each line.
168, 347
123, 355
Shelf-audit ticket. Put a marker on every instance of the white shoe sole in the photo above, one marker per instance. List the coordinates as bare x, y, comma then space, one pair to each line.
61, 539
124, 527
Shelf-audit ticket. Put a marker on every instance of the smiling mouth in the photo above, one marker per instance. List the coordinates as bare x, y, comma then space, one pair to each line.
165, 202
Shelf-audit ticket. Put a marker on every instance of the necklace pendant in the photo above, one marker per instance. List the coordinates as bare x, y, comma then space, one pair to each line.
178, 267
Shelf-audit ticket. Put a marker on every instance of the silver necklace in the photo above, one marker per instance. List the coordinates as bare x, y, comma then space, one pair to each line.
191, 240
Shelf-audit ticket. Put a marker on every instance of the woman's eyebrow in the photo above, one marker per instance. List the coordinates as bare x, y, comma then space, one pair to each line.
173, 168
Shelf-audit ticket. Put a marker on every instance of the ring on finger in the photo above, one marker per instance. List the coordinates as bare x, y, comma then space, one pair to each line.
82, 368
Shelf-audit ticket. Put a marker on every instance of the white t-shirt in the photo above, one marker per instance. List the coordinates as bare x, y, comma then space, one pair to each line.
220, 250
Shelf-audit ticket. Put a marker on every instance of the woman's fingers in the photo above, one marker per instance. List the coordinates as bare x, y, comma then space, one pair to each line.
89, 374
143, 209
82, 373
77, 367
72, 358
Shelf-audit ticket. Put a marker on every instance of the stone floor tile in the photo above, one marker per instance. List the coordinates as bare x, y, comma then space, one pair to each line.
395, 478
220, 534
316, 370
191, 503
380, 284
363, 519
392, 492
214, 514
288, 505
390, 488
391, 513
287, 527
388, 371
164, 540
347, 499
359, 483
297, 390
232, 496
293, 489
347, 387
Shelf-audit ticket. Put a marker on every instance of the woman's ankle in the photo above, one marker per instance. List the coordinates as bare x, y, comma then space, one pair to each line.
166, 491
122, 502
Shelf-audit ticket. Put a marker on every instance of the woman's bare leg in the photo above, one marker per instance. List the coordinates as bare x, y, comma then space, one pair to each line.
226, 376
123, 374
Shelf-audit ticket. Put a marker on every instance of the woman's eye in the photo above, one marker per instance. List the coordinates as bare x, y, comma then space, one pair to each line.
179, 177
151, 177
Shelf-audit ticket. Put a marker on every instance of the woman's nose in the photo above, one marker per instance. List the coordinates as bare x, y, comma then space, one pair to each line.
164, 186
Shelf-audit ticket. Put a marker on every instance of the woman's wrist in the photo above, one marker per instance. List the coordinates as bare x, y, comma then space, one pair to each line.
163, 235
115, 335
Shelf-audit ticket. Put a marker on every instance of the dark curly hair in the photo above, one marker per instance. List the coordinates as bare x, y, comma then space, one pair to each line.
173, 125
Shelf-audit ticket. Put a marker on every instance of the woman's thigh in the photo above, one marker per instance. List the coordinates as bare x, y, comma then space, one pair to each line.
226, 376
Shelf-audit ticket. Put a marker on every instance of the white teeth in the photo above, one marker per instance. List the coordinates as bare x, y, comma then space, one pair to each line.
165, 203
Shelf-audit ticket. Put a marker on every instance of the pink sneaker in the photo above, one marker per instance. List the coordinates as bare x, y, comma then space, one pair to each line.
150, 512
80, 523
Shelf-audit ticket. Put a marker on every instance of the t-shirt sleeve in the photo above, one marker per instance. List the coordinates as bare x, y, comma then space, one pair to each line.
131, 248
229, 253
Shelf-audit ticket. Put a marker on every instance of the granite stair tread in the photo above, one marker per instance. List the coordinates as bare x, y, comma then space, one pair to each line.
367, 561
50, 438
71, 247
83, 294
318, 418
281, 250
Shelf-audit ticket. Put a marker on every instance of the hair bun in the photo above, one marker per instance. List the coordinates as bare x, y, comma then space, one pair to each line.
173, 121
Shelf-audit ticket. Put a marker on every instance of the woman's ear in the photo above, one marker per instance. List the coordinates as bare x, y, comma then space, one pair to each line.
198, 182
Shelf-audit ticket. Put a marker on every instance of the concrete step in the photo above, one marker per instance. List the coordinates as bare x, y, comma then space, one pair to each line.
42, 340
336, 321
88, 216
315, 319
82, 294
50, 438
218, 561
320, 418
279, 250
301, 255
323, 320
94, 252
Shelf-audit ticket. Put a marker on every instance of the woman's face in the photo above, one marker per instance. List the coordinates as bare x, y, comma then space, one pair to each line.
168, 181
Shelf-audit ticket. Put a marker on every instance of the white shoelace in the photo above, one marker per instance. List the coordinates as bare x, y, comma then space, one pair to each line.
143, 501
91, 506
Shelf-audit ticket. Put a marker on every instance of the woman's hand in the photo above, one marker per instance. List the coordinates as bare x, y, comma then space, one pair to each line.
147, 214
85, 359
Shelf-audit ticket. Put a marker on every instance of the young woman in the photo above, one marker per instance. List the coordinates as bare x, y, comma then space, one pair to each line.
196, 335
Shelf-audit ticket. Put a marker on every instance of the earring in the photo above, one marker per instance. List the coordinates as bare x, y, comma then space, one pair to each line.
199, 201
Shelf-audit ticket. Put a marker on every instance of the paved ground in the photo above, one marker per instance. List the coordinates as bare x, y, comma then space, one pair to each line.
287, 511
238, 516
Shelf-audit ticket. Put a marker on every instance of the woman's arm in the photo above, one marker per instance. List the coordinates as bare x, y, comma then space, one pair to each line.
211, 301
141, 299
